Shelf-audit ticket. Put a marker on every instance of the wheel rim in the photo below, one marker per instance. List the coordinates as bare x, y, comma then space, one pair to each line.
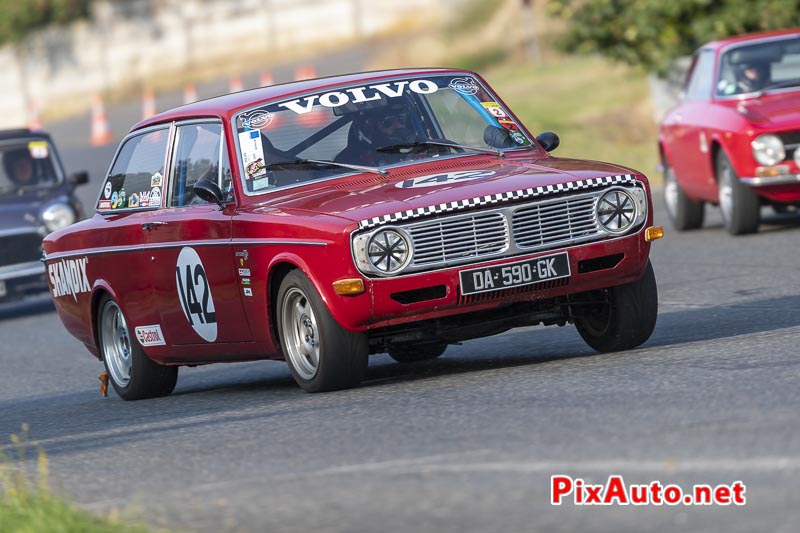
725, 192
116, 344
300, 333
671, 192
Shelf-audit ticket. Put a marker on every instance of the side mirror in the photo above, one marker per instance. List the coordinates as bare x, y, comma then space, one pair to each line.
78, 178
548, 140
208, 191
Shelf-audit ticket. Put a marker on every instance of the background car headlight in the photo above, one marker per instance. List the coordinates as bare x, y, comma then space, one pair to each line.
768, 149
57, 216
388, 251
616, 211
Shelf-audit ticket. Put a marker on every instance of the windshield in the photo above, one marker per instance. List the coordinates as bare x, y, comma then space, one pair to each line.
26, 164
372, 125
763, 66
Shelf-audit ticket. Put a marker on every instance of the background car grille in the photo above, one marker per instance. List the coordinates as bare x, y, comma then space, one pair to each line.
446, 240
552, 222
20, 248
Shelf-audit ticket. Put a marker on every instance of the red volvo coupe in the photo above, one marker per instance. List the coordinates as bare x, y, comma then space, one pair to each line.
324, 220
733, 139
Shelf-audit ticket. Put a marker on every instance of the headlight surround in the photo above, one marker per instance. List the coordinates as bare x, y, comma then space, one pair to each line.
768, 149
618, 211
385, 252
58, 215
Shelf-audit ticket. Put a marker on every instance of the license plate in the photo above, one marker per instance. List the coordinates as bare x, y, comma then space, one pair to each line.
517, 274
3, 289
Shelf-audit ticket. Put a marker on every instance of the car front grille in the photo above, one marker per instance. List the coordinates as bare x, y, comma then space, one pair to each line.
458, 238
548, 223
20, 247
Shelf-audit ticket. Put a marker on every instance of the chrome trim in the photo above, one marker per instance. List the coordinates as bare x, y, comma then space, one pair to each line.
21, 270
766, 181
180, 244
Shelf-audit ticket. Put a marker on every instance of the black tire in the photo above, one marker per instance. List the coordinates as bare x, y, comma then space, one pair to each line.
133, 375
625, 319
323, 356
684, 213
740, 206
413, 353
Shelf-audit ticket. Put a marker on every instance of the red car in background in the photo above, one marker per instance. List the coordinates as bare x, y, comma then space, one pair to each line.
733, 139
324, 220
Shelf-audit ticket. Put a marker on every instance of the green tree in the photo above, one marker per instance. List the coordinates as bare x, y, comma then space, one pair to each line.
652, 33
20, 17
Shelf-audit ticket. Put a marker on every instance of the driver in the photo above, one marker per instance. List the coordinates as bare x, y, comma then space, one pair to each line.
19, 167
750, 77
370, 130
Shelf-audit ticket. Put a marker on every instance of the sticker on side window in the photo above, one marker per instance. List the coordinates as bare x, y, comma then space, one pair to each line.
252, 154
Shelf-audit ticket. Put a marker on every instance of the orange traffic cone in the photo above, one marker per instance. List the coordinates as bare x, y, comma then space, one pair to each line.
305, 72
235, 85
34, 119
189, 93
148, 104
265, 79
101, 134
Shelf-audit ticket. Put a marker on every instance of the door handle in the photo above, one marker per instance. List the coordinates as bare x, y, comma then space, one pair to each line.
148, 226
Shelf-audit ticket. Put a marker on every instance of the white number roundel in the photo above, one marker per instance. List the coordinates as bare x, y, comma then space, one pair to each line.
194, 293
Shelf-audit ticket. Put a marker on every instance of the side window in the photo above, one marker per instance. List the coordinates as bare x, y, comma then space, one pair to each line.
199, 154
701, 81
137, 176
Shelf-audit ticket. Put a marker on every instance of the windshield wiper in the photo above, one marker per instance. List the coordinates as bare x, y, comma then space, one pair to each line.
408, 147
321, 163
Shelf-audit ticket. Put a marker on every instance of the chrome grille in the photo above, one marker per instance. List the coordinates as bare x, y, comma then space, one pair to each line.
545, 223
455, 239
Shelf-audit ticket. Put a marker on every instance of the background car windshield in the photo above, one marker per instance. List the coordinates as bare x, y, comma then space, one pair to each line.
370, 124
26, 163
763, 66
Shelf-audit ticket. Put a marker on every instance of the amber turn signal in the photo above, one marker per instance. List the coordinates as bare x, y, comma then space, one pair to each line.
653, 233
348, 287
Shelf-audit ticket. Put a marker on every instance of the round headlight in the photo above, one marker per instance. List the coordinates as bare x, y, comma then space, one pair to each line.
768, 149
57, 216
616, 211
388, 251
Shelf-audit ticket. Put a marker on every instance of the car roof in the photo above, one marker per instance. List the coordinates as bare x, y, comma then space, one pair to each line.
226, 106
739, 39
22, 133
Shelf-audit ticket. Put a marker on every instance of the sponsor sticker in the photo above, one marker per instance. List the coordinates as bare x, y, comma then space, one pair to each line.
248, 291
156, 180
104, 204
68, 277
444, 179
257, 120
194, 293
465, 86
150, 335
495, 109
245, 281
245, 272
107, 190
144, 199
133, 201
155, 197
38, 149
252, 154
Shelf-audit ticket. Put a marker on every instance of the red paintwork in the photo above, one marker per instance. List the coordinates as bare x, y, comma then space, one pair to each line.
139, 272
729, 124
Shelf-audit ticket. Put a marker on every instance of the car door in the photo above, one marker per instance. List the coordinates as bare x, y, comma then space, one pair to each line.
195, 280
686, 127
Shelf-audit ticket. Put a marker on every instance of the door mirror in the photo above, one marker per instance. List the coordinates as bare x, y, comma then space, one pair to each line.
208, 191
78, 178
548, 140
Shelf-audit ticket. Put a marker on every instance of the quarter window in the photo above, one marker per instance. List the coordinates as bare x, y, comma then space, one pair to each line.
137, 176
702, 78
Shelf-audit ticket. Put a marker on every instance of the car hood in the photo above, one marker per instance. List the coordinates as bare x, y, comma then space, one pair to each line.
364, 197
779, 110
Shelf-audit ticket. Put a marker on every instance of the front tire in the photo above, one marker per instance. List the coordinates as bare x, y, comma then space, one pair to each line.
684, 213
133, 375
322, 355
740, 206
417, 352
626, 317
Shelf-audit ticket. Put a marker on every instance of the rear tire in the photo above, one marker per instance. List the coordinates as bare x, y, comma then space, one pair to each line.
417, 352
625, 319
322, 355
740, 206
133, 375
684, 213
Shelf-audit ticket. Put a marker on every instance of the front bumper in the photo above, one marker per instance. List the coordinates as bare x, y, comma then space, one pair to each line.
17, 281
780, 179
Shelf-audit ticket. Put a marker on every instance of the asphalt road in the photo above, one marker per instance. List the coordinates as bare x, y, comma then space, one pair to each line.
464, 443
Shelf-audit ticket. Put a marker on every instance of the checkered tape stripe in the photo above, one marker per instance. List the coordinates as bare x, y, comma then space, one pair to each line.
533, 192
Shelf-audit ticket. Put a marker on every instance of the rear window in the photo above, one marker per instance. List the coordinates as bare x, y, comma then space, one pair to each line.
136, 179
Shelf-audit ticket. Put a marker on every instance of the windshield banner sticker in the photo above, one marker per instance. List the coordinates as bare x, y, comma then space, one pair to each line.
359, 95
444, 179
